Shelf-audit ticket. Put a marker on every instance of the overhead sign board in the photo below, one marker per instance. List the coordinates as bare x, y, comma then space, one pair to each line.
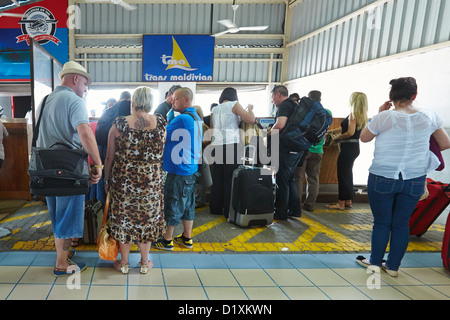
178, 58
44, 21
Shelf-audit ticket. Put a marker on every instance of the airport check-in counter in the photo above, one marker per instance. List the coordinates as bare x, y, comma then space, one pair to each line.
14, 179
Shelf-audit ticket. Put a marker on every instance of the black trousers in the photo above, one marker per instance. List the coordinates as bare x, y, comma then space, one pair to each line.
347, 156
222, 174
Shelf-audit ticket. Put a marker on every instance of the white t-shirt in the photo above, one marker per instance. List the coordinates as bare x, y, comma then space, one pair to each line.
225, 124
402, 144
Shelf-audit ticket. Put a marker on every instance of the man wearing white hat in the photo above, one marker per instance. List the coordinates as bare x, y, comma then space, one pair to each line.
65, 119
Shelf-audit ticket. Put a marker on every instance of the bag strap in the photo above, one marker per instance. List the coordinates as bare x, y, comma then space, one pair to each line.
199, 130
195, 120
105, 212
198, 124
36, 129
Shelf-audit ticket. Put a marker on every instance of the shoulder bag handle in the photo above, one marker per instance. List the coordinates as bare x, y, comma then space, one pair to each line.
61, 144
36, 128
105, 213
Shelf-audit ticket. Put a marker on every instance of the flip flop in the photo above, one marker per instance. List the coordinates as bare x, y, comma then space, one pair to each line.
145, 267
122, 267
72, 269
335, 207
76, 242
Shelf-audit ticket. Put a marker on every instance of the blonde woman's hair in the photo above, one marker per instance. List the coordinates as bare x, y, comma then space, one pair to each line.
199, 111
360, 106
142, 99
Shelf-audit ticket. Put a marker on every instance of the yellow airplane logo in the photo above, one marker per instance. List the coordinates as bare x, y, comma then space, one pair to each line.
177, 59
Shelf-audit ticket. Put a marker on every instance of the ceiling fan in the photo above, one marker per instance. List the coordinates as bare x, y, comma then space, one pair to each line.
121, 3
233, 28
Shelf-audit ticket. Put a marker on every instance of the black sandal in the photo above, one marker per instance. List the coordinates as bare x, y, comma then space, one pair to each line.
76, 242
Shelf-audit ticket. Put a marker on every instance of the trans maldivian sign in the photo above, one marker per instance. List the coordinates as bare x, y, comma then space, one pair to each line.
178, 58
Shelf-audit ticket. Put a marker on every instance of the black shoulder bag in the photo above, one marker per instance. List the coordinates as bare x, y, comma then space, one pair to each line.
58, 170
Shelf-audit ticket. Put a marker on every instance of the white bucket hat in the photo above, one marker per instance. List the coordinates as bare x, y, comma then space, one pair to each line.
74, 67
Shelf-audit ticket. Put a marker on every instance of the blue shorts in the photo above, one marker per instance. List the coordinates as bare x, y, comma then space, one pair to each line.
179, 198
67, 216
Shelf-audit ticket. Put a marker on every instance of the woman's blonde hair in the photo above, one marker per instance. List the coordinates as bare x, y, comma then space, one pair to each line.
360, 106
142, 99
199, 111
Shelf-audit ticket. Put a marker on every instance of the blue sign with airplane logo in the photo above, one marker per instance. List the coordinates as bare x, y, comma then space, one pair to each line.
178, 58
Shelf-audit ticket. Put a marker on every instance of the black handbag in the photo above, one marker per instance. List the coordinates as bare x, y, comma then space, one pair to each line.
57, 170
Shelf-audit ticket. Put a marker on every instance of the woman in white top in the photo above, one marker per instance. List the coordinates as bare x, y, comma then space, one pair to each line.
227, 152
402, 159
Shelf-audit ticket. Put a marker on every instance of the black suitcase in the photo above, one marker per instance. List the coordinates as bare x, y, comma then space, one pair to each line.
252, 196
93, 218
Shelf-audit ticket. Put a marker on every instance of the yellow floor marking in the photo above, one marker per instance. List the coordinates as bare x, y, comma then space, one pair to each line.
246, 235
42, 224
240, 242
357, 227
207, 226
315, 228
48, 243
35, 203
368, 227
354, 211
25, 216
425, 246
438, 228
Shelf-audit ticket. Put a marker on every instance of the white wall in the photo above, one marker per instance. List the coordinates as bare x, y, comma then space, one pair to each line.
163, 87
431, 70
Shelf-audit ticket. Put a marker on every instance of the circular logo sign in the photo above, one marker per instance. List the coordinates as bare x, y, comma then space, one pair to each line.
39, 24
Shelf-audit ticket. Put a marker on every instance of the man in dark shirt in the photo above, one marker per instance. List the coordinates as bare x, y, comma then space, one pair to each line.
121, 108
207, 119
164, 108
287, 198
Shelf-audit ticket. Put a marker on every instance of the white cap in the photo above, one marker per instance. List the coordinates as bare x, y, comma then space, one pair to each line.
74, 67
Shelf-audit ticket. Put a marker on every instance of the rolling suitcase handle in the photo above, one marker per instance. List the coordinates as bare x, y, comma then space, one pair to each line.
249, 159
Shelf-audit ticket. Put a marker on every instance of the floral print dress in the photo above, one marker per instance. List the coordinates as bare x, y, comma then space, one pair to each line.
136, 190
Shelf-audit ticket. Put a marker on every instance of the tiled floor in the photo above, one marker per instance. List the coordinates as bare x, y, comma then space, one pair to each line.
194, 276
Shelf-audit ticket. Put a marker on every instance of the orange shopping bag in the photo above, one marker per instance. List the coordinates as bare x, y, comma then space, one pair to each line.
108, 248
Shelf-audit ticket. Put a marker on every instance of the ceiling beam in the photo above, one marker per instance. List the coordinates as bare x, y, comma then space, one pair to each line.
230, 2
139, 36
138, 50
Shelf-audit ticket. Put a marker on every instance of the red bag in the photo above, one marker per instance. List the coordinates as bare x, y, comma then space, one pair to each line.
429, 209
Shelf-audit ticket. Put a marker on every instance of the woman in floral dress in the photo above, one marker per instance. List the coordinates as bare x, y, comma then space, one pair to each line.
133, 177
